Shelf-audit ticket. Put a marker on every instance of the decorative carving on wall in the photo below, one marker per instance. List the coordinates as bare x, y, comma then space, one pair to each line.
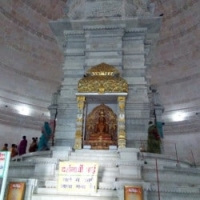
101, 79
101, 134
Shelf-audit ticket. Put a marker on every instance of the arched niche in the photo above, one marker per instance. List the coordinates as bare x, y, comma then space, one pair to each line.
101, 88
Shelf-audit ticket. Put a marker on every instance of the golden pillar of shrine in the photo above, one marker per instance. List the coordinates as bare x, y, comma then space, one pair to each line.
121, 122
79, 122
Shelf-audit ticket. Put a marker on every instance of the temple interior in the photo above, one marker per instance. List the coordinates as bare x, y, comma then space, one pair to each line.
98, 72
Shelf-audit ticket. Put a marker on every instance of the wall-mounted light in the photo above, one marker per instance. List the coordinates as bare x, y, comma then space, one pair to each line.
23, 110
178, 116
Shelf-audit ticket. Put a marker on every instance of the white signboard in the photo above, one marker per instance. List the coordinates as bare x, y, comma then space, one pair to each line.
78, 177
4, 165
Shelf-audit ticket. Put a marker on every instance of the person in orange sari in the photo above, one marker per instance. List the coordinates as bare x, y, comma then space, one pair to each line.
33, 146
13, 151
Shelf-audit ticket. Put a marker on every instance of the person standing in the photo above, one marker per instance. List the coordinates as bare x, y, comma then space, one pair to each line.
22, 146
33, 146
5, 147
154, 141
46, 134
13, 150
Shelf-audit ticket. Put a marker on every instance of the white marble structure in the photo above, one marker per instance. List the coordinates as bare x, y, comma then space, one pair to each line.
121, 33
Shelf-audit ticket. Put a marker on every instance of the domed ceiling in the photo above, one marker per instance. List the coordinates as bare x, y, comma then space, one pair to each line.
175, 70
31, 62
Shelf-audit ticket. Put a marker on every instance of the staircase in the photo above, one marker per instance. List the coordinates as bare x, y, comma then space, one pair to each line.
107, 173
117, 168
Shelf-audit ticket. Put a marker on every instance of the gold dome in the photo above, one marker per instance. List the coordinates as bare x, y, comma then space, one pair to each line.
102, 78
103, 69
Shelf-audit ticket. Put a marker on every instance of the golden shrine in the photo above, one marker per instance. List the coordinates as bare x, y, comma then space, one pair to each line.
101, 123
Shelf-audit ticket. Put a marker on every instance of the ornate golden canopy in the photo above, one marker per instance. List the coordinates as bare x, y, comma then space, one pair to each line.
102, 78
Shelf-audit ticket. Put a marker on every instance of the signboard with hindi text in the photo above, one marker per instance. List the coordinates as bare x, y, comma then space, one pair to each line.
133, 193
77, 177
1, 181
16, 191
4, 165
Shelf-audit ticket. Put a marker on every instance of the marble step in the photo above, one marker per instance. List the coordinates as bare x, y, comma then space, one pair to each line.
99, 192
108, 175
102, 165
70, 197
95, 153
52, 193
105, 158
107, 185
94, 157
107, 179
100, 161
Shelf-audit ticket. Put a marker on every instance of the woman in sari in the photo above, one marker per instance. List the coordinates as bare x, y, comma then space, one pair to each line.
46, 134
13, 151
154, 141
22, 146
33, 146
